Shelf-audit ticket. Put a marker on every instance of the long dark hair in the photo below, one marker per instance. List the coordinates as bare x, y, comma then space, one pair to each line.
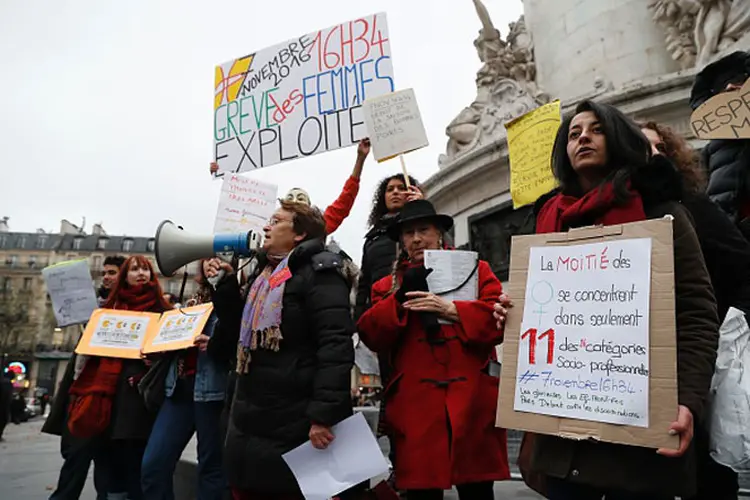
627, 149
677, 149
379, 208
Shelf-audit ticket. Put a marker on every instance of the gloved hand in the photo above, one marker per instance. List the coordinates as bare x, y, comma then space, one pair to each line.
414, 280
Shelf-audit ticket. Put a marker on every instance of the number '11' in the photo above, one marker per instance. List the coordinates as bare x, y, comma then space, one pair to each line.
531, 334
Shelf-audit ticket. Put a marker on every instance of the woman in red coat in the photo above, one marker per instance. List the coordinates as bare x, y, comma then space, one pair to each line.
442, 397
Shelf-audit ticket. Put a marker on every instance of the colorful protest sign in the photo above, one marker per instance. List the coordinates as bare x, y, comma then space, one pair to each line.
300, 97
530, 141
394, 124
585, 320
245, 204
117, 334
71, 291
178, 328
724, 116
590, 345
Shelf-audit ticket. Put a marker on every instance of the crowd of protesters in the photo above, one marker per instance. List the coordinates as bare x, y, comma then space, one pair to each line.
271, 369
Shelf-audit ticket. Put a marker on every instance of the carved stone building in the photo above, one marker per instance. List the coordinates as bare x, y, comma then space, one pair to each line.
638, 55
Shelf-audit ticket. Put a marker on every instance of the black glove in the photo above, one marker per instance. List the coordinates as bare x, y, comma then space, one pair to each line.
414, 280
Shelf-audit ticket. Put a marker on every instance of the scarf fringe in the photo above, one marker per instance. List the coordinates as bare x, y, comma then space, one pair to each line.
268, 338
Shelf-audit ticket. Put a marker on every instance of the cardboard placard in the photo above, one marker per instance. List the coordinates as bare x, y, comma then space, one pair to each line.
178, 329
530, 141
300, 97
394, 124
724, 116
661, 353
117, 334
245, 204
71, 291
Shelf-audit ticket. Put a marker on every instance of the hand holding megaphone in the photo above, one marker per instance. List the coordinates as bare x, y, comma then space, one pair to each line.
215, 269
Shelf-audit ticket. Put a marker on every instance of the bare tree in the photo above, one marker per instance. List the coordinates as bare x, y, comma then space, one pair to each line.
14, 318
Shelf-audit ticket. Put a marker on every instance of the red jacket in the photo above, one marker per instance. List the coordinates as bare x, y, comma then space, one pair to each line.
339, 209
441, 402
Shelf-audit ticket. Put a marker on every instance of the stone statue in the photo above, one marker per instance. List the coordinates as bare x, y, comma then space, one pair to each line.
506, 87
696, 30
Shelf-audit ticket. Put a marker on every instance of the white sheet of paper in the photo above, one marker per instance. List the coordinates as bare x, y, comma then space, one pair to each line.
123, 332
353, 457
394, 124
245, 204
584, 344
71, 291
450, 268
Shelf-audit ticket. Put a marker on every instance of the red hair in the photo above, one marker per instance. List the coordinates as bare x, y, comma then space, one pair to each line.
122, 282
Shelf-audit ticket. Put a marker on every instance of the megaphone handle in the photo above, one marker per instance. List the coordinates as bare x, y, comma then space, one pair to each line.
216, 279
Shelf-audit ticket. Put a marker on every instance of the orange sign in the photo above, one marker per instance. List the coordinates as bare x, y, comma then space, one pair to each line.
117, 334
178, 328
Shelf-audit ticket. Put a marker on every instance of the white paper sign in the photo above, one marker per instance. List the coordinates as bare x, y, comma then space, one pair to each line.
584, 344
452, 269
394, 124
71, 291
181, 326
300, 97
353, 457
120, 331
245, 204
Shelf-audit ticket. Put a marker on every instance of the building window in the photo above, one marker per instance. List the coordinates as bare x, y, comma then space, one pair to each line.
102, 243
150, 245
127, 245
3, 239
32, 260
21, 241
77, 243
27, 282
41, 240
97, 263
12, 260
7, 284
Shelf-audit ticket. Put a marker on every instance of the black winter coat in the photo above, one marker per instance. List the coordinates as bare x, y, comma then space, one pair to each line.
378, 255
307, 381
728, 163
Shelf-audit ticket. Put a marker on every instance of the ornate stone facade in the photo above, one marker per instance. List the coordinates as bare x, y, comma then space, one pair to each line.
506, 87
699, 30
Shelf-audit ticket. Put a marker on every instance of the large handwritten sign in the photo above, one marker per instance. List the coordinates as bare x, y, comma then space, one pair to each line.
584, 350
724, 116
530, 141
71, 291
245, 204
178, 328
590, 346
118, 334
300, 97
394, 124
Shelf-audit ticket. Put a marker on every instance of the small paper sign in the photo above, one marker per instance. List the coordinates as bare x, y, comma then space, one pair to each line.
245, 204
178, 329
394, 124
71, 291
117, 334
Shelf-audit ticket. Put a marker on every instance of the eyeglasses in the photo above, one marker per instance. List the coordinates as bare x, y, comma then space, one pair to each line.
273, 221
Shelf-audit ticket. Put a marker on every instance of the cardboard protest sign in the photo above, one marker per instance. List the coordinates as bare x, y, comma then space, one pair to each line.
245, 204
530, 141
394, 124
300, 97
117, 334
724, 116
590, 345
178, 328
71, 291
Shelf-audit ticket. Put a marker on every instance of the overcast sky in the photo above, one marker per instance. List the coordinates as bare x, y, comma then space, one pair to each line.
106, 107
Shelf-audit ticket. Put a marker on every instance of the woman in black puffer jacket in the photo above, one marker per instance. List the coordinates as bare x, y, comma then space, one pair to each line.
294, 353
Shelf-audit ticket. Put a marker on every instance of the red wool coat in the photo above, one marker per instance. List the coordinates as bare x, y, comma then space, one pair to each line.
441, 401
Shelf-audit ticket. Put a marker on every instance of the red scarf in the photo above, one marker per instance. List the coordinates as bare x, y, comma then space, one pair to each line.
93, 392
598, 206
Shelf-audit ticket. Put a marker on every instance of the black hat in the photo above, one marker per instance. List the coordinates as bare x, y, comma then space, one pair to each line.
418, 210
713, 79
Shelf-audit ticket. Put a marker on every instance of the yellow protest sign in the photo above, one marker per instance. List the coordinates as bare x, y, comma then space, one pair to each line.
530, 141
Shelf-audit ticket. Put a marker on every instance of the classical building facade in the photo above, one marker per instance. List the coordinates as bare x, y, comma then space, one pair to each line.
28, 330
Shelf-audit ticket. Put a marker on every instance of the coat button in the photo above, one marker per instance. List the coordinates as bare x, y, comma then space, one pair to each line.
575, 473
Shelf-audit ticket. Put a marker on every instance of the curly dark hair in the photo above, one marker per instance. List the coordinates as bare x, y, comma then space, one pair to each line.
379, 208
682, 155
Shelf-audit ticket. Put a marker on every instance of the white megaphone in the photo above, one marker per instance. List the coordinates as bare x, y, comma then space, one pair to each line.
176, 247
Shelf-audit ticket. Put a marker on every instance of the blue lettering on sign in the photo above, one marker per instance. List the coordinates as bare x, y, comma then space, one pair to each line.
602, 384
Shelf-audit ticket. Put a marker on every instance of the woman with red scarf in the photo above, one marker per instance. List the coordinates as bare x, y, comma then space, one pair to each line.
105, 402
602, 162
442, 396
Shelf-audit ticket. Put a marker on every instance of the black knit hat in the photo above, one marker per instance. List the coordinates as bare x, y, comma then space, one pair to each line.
418, 210
713, 79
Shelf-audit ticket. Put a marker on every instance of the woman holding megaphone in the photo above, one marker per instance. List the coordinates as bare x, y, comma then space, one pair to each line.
292, 332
